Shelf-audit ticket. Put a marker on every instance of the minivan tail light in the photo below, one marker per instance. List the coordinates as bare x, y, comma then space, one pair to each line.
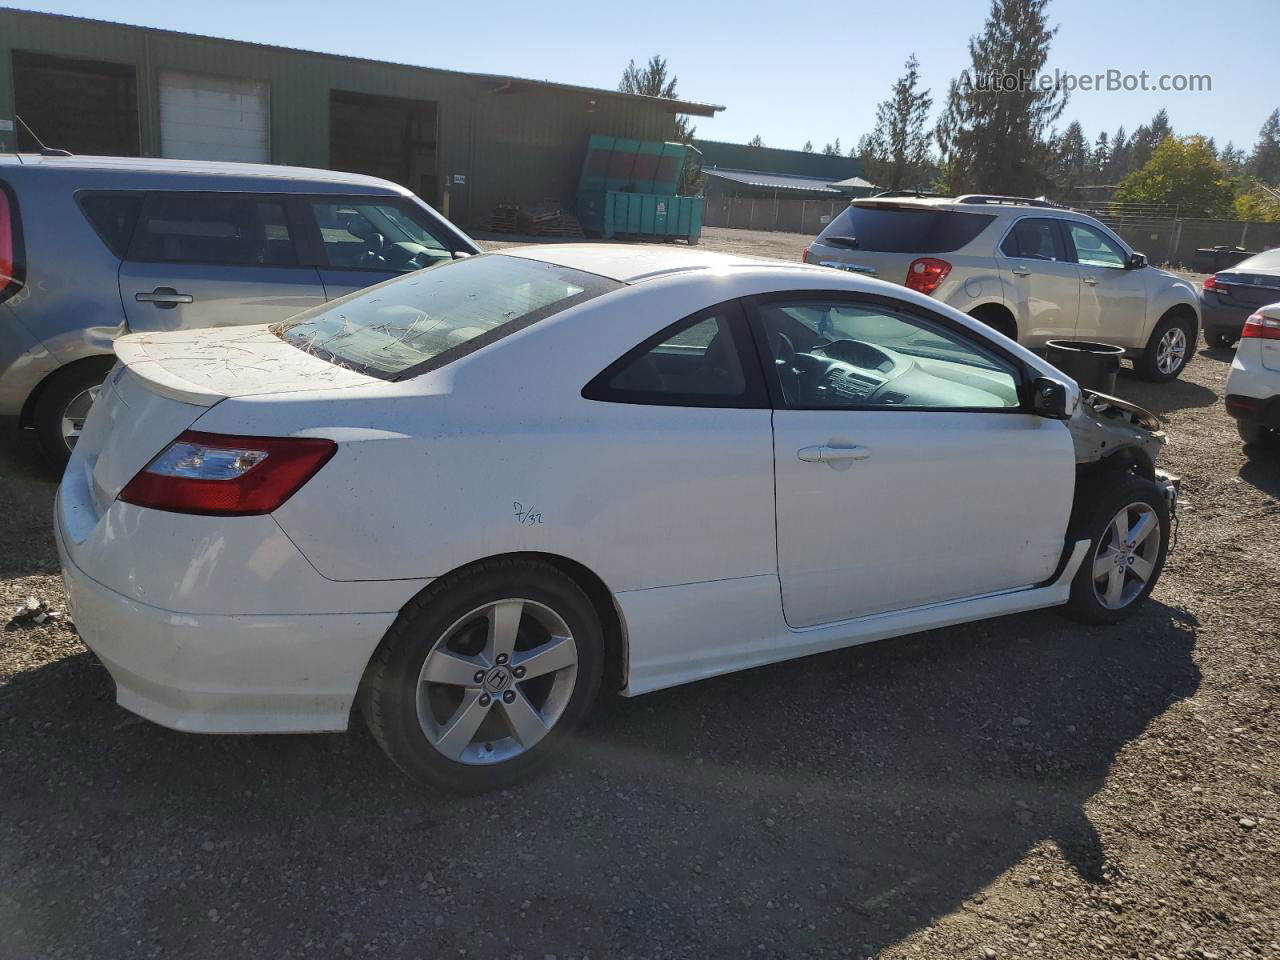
1262, 327
9, 244
215, 474
926, 273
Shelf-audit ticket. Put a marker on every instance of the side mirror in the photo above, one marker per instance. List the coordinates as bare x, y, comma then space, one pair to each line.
1050, 399
1136, 261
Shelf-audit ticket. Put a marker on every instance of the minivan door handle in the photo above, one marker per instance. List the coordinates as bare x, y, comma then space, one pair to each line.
826, 454
165, 297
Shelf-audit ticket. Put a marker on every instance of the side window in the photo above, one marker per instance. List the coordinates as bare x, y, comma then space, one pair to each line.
845, 355
1095, 249
113, 216
239, 230
386, 236
1035, 238
698, 362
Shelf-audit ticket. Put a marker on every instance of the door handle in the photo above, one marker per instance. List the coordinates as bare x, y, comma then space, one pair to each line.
1091, 281
825, 454
164, 297
1021, 271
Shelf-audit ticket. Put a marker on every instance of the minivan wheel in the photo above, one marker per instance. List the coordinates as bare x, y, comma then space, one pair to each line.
483, 676
1168, 351
1126, 520
62, 407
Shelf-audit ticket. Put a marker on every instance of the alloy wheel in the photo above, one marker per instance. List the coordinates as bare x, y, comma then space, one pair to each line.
496, 682
74, 415
1171, 351
1126, 556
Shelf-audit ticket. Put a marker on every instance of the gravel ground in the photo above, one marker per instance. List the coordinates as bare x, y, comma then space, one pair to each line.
1025, 787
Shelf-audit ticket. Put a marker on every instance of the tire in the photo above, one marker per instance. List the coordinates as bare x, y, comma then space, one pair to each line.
1099, 501
997, 319
1160, 366
1256, 435
459, 731
1219, 341
63, 396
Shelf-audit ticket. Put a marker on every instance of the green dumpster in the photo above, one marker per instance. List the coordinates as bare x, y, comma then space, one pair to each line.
631, 188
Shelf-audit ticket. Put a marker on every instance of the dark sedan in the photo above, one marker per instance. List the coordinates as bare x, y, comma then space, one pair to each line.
1229, 297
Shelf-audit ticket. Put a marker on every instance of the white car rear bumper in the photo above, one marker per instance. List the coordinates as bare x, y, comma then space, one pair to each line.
218, 672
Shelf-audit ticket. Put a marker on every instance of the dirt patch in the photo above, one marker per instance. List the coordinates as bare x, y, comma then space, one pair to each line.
1024, 787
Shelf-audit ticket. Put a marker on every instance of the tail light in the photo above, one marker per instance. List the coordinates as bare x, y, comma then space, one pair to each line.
217, 475
926, 273
804, 255
1212, 283
10, 245
1262, 327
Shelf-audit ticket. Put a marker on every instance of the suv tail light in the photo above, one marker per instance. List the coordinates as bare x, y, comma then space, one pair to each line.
1211, 283
926, 273
10, 245
804, 255
1264, 328
217, 475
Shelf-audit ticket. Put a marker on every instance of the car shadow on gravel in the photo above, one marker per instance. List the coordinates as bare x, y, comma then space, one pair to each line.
1163, 398
840, 802
1261, 469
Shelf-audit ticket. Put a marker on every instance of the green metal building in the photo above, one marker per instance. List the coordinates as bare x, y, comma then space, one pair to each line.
462, 141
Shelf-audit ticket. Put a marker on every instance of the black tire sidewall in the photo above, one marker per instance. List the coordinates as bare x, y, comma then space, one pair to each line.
1146, 365
389, 697
1099, 501
62, 388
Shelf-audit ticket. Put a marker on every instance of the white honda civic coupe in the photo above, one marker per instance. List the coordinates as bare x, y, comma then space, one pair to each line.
466, 500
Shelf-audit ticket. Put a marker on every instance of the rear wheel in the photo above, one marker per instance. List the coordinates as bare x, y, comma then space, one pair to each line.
484, 675
62, 407
1126, 520
1256, 435
1168, 351
1220, 340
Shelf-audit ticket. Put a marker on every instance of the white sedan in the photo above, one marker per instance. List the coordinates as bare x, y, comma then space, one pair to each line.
467, 499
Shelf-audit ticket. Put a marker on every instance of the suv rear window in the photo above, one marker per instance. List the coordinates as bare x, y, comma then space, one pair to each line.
429, 318
904, 229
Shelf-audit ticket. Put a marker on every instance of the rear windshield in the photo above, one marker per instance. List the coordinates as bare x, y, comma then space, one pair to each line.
1265, 262
904, 229
426, 319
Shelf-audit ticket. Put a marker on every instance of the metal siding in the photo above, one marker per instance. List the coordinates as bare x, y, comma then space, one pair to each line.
524, 144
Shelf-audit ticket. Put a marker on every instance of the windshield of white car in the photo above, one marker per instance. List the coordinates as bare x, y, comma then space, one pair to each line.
428, 318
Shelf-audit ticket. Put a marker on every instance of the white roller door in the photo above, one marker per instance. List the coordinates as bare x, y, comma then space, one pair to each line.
205, 117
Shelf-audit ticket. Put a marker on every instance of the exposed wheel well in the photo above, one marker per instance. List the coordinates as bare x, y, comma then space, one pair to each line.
1123, 460
104, 361
998, 317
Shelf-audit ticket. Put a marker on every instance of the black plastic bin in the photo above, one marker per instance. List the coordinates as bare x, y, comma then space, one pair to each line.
1092, 365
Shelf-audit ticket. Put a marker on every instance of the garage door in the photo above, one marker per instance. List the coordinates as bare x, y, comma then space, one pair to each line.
204, 117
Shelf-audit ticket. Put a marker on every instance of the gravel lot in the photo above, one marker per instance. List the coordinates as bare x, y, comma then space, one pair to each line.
1017, 788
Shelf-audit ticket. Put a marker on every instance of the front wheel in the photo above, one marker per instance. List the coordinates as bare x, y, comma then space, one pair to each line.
1126, 520
484, 675
1168, 351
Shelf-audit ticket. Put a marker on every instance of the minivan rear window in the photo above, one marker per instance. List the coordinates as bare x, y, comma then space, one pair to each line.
886, 229
429, 318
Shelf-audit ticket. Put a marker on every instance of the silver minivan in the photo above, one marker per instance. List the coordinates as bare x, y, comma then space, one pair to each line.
94, 247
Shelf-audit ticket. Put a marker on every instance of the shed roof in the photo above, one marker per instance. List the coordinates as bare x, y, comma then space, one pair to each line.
773, 181
691, 107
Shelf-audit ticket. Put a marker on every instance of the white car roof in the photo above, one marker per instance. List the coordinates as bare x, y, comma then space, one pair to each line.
632, 263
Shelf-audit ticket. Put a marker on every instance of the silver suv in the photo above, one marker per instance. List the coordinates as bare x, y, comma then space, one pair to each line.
1030, 269
94, 247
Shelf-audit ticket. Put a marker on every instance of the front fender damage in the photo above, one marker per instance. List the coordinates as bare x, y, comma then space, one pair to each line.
1103, 427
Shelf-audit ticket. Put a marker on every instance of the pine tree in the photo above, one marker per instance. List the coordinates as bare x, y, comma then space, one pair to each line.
896, 152
1119, 165
1073, 159
1147, 137
832, 149
1265, 162
1233, 160
651, 80
808, 147
1101, 158
756, 141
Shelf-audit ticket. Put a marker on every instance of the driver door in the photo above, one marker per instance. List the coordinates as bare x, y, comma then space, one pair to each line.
365, 240
930, 482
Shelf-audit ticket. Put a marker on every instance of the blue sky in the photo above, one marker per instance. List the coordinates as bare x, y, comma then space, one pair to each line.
789, 73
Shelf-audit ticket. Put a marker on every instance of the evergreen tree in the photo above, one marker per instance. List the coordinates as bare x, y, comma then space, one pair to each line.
808, 146
832, 149
756, 141
1147, 137
651, 80
1119, 165
1074, 163
896, 152
1265, 162
993, 139
1101, 158
1232, 159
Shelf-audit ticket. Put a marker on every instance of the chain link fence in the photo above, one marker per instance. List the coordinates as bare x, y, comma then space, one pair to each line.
789, 214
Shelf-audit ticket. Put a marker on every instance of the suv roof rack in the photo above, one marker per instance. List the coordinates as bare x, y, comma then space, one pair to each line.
889, 194
983, 198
